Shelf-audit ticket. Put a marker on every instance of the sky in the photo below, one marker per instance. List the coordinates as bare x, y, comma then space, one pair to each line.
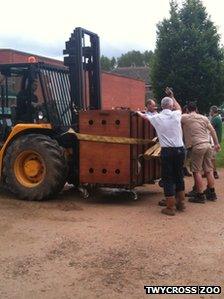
42, 27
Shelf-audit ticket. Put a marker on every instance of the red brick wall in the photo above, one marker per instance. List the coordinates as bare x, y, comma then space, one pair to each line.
117, 90
120, 91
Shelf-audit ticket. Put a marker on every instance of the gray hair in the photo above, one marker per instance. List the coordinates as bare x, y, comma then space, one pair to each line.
166, 102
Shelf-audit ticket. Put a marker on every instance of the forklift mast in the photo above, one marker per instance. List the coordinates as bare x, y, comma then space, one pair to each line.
83, 60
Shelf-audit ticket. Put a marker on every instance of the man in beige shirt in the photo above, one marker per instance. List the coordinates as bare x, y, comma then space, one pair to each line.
197, 140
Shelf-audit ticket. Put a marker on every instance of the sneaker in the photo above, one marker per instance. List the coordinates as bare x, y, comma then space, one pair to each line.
192, 193
210, 194
198, 198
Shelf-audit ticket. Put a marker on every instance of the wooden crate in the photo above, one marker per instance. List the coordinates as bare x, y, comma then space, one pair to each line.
115, 164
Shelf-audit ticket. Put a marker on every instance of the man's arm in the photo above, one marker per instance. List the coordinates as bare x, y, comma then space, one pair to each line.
176, 105
214, 137
152, 119
143, 115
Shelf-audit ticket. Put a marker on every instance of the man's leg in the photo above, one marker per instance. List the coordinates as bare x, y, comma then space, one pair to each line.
179, 178
197, 162
210, 190
199, 196
170, 205
208, 167
168, 181
198, 182
180, 198
189, 158
210, 179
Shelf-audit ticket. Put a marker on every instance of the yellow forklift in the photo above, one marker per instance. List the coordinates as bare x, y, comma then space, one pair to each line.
53, 130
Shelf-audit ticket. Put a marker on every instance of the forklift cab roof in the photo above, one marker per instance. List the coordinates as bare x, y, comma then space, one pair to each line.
20, 67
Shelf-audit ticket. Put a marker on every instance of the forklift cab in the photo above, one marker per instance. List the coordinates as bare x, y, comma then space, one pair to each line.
37, 92
33, 93
7, 108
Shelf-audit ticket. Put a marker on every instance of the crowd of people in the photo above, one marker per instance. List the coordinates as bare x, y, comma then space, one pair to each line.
185, 135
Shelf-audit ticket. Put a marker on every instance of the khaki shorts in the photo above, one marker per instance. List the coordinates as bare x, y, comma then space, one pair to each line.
201, 158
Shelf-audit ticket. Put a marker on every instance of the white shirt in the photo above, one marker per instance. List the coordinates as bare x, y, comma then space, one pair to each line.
168, 127
151, 113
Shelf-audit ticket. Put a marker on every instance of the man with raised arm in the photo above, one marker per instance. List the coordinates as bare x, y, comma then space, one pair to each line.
168, 127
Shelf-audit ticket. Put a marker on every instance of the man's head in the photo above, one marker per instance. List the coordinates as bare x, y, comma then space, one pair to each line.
214, 110
167, 103
192, 107
151, 105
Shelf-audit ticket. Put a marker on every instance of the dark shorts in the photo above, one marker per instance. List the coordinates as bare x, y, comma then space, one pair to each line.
172, 159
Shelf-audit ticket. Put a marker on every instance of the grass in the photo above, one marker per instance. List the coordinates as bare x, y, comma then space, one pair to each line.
220, 156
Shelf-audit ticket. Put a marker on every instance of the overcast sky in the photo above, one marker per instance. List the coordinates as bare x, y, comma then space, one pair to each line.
43, 26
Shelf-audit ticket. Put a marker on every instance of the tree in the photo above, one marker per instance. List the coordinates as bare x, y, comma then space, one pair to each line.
105, 63
188, 56
148, 58
131, 58
113, 62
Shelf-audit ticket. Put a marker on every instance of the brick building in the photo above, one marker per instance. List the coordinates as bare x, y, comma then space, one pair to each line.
14, 56
120, 91
117, 90
140, 73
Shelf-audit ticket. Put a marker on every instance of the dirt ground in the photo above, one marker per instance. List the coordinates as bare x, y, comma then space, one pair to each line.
108, 246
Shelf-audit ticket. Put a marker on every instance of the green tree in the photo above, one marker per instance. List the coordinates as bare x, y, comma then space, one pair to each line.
131, 58
148, 58
113, 62
105, 63
188, 56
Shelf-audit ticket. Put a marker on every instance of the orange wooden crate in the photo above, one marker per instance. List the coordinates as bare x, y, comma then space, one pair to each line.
115, 164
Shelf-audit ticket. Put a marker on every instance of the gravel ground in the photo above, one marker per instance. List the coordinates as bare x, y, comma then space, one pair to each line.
108, 246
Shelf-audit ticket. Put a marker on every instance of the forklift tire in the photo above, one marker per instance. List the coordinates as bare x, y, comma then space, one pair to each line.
35, 167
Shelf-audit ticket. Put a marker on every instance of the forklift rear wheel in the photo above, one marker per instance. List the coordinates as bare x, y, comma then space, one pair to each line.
35, 167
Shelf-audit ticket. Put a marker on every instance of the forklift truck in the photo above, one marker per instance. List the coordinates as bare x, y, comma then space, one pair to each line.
53, 130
